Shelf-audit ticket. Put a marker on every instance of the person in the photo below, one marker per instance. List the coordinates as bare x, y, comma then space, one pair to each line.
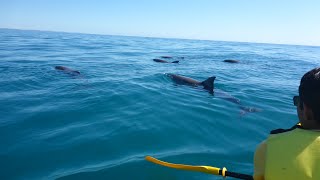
294, 153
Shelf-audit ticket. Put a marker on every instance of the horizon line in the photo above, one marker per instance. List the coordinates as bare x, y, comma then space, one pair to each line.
156, 37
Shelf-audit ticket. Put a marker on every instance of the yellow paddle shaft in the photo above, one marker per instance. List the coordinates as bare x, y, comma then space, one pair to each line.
204, 169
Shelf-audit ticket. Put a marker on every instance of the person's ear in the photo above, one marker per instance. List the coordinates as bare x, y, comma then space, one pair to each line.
301, 105
307, 112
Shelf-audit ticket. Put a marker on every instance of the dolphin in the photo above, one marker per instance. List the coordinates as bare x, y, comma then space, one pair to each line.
163, 61
67, 70
170, 57
231, 61
207, 84
166, 57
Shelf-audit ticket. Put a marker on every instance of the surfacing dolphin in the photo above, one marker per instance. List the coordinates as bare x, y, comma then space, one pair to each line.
67, 70
208, 84
231, 61
166, 57
163, 61
170, 57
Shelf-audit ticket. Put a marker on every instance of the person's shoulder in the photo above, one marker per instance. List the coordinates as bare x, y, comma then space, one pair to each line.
259, 160
262, 146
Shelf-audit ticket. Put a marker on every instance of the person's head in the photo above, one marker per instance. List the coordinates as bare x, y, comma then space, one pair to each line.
309, 95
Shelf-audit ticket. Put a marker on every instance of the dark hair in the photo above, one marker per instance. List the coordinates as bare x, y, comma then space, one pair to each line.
309, 91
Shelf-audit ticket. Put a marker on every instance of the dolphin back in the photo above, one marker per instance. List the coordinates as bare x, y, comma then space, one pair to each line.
60, 67
68, 70
160, 60
208, 84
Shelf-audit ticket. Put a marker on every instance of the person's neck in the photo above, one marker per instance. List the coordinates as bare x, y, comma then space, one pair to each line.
311, 125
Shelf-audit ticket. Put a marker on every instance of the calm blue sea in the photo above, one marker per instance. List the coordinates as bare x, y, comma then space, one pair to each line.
123, 106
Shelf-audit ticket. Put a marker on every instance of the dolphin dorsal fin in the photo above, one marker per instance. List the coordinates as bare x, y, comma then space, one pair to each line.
208, 84
175, 62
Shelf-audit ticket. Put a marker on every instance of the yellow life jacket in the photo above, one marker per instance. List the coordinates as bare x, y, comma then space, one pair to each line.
293, 154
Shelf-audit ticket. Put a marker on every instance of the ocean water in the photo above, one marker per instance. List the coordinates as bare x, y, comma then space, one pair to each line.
102, 123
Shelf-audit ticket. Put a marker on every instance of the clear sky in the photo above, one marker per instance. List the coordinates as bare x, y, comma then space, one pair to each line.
266, 21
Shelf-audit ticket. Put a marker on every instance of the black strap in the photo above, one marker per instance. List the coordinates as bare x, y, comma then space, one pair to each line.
236, 175
277, 131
